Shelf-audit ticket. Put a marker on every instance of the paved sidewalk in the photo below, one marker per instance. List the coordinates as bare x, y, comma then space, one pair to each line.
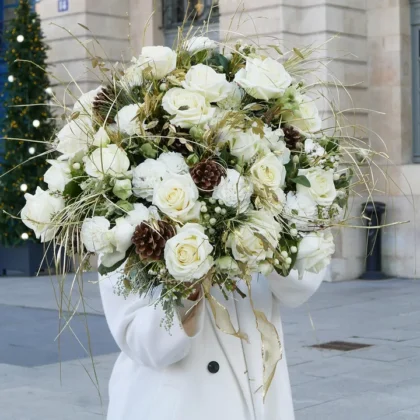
377, 382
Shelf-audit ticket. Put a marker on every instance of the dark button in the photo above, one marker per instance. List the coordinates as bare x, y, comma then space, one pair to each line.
213, 367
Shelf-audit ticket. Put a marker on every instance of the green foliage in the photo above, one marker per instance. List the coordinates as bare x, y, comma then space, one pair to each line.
25, 101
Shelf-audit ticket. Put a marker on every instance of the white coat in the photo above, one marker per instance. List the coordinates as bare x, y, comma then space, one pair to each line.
163, 375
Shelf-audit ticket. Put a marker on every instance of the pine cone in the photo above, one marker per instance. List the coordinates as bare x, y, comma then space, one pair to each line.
207, 175
291, 137
102, 103
150, 243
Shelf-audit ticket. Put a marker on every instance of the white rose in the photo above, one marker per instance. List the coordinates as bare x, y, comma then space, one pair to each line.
127, 120
228, 265
233, 98
146, 176
264, 223
174, 162
307, 118
58, 175
101, 138
84, 105
322, 188
177, 196
268, 172
300, 209
188, 108
263, 78
314, 252
96, 235
133, 76
234, 191
200, 43
161, 60
187, 254
73, 138
273, 140
243, 144
39, 211
110, 160
204, 80
122, 189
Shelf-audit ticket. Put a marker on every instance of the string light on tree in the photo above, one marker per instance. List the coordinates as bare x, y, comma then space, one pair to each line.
25, 236
11, 79
20, 38
31, 150
36, 123
24, 187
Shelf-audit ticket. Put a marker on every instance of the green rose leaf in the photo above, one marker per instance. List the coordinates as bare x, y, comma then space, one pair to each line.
302, 180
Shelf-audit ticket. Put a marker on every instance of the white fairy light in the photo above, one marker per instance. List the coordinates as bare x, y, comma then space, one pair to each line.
24, 236
31, 150
24, 187
11, 79
20, 38
36, 123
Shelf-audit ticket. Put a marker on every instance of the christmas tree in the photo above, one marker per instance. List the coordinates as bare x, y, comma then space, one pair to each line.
27, 117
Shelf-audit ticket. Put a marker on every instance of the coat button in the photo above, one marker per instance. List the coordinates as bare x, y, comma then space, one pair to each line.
213, 367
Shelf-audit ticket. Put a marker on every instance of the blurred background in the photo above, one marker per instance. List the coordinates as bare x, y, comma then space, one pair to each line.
373, 370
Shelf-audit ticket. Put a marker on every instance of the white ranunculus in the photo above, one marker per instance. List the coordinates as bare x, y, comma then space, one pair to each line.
300, 209
234, 190
204, 80
268, 172
101, 138
263, 78
39, 211
314, 252
146, 176
307, 118
233, 98
58, 175
322, 188
177, 197
96, 235
188, 253
188, 108
73, 138
127, 120
248, 247
200, 43
228, 265
133, 76
161, 60
175, 162
110, 160
84, 105
122, 189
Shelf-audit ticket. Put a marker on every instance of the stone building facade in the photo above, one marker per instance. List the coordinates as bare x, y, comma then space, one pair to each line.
376, 57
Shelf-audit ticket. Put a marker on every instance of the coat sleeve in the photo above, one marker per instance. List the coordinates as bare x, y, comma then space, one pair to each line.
137, 327
292, 291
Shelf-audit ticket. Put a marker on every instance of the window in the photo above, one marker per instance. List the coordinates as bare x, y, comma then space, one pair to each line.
415, 42
197, 12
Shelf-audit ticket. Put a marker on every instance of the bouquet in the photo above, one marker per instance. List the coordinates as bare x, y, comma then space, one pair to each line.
197, 166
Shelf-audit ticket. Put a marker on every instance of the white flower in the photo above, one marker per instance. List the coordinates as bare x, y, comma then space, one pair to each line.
204, 80
263, 223
73, 138
228, 265
96, 235
58, 175
122, 189
312, 147
101, 138
160, 60
84, 105
188, 108
300, 209
243, 144
273, 140
187, 254
233, 98
322, 189
200, 43
110, 160
146, 176
263, 78
234, 191
39, 211
174, 162
127, 120
314, 252
133, 76
307, 118
268, 172
177, 196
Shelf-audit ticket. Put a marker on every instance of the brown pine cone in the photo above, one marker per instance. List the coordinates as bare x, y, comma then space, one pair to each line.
102, 104
207, 175
291, 137
150, 242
